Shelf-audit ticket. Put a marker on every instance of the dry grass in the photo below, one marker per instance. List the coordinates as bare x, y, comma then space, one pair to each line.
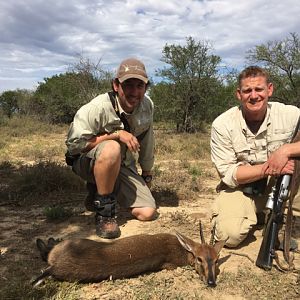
27, 141
182, 147
35, 184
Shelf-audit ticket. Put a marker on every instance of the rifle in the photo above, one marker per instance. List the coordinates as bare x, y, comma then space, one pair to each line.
275, 203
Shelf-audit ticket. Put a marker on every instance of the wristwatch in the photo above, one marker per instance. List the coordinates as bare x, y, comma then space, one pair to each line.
147, 178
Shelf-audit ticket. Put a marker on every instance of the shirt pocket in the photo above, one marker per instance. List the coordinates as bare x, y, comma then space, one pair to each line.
141, 125
242, 151
280, 137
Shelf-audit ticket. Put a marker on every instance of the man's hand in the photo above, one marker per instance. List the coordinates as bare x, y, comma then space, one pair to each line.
279, 163
287, 169
129, 140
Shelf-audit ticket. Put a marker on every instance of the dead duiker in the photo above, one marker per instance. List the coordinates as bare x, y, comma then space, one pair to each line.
86, 260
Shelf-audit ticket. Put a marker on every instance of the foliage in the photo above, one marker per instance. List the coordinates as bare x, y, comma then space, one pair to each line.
60, 96
191, 79
224, 97
282, 59
57, 213
57, 98
194, 89
18, 102
9, 103
165, 110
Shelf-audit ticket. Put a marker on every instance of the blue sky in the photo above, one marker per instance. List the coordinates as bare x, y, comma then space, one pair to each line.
41, 38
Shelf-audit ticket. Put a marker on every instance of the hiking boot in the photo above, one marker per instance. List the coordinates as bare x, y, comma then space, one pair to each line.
106, 222
89, 200
107, 227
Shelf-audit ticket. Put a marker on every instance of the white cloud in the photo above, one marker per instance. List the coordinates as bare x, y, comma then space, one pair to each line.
42, 38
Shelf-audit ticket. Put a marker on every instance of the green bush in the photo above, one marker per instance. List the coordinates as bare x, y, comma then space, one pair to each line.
57, 213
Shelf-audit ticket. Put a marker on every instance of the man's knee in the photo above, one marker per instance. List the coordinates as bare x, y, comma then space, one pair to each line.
234, 231
111, 150
144, 213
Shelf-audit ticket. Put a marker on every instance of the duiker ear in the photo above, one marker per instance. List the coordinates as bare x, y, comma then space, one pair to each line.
219, 245
42, 247
52, 242
185, 242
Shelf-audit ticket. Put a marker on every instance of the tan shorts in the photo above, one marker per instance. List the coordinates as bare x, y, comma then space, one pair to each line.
130, 189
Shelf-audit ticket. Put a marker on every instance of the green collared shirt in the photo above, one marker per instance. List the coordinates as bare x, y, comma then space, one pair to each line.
98, 117
233, 144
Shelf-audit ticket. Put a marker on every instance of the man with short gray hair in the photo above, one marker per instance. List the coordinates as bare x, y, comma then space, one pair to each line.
106, 139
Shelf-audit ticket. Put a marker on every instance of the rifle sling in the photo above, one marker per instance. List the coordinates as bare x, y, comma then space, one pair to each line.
115, 106
295, 183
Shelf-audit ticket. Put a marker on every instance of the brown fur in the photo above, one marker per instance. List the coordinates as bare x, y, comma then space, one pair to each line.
86, 260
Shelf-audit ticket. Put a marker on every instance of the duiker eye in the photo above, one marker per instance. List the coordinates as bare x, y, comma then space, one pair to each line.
199, 260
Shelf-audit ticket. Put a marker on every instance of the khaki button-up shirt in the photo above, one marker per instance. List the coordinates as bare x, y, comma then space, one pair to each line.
98, 117
233, 144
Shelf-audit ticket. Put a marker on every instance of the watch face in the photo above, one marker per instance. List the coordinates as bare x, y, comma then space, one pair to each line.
147, 178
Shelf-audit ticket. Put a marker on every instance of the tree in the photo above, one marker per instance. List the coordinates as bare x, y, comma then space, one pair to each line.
160, 94
26, 102
191, 79
224, 97
59, 97
93, 80
9, 103
282, 59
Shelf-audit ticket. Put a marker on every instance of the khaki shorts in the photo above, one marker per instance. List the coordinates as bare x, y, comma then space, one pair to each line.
130, 189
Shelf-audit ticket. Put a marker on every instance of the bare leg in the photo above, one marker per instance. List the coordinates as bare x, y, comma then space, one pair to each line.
106, 171
144, 213
107, 167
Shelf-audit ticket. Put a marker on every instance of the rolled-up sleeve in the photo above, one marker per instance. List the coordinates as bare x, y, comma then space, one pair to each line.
83, 128
92, 119
223, 155
146, 155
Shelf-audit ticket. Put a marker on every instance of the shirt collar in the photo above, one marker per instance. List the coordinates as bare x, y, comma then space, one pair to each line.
264, 125
121, 110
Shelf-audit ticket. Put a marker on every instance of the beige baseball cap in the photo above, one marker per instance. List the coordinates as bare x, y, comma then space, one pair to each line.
132, 68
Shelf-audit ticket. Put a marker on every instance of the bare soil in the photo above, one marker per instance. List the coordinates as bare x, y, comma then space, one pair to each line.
21, 225
184, 190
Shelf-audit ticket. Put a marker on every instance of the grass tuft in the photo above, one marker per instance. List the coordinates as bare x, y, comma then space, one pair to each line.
37, 181
57, 213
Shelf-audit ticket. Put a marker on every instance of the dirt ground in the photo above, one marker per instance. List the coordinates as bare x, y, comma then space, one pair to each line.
239, 277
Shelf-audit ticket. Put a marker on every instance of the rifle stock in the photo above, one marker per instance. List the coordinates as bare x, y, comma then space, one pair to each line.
275, 203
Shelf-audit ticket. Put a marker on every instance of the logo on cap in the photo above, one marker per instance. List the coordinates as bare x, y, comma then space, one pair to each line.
132, 68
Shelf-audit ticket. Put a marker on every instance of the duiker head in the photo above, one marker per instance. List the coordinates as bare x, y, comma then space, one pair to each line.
205, 258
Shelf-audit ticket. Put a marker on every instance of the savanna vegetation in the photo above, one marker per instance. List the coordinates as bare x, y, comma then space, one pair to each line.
41, 197
193, 89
